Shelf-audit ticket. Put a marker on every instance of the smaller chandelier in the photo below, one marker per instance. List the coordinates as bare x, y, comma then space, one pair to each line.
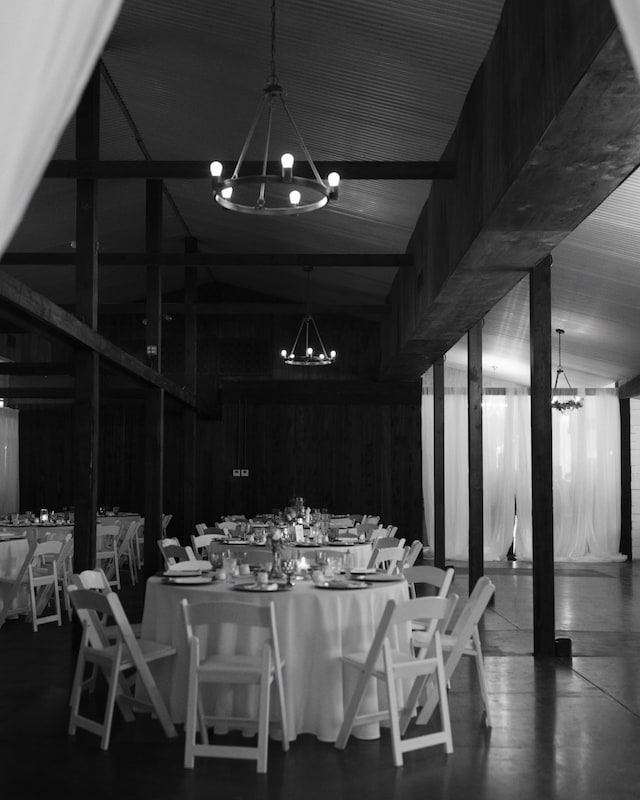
563, 402
303, 353
268, 193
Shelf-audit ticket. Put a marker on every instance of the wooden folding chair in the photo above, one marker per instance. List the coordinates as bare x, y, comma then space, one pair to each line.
463, 640
208, 665
388, 665
114, 659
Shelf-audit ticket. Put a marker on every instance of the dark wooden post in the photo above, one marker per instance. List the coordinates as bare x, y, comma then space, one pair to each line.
154, 403
625, 478
474, 411
438, 465
541, 460
190, 381
87, 401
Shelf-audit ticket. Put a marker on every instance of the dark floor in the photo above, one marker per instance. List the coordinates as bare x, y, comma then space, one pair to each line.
563, 728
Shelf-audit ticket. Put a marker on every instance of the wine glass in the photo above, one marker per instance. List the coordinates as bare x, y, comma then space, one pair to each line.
289, 568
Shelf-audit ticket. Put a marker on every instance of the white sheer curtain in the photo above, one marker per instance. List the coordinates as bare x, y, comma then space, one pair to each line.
48, 49
9, 478
586, 447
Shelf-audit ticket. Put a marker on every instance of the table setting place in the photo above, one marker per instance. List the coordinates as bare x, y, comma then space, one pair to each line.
328, 571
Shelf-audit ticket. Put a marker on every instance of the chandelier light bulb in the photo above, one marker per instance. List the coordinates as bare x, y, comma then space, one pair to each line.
333, 179
227, 192
294, 197
309, 351
287, 167
216, 169
283, 353
333, 354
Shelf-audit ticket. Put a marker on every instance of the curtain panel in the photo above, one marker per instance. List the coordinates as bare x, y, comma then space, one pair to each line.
586, 473
48, 49
9, 461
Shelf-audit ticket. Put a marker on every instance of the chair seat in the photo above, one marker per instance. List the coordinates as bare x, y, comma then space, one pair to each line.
404, 665
239, 668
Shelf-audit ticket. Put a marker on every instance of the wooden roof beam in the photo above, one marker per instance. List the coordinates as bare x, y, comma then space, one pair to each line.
141, 259
199, 170
550, 127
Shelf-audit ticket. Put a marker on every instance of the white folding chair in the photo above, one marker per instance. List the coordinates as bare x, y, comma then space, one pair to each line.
430, 576
107, 538
371, 520
139, 544
114, 658
64, 563
228, 527
166, 519
43, 582
386, 558
201, 528
173, 553
387, 664
200, 543
463, 640
13, 604
411, 553
210, 665
127, 549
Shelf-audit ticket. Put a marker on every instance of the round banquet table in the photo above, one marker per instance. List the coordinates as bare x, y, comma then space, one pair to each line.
315, 627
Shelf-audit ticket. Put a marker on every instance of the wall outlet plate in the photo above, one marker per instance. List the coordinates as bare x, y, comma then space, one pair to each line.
244, 473
236, 473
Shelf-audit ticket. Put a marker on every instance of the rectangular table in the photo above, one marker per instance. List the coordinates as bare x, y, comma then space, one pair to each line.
315, 627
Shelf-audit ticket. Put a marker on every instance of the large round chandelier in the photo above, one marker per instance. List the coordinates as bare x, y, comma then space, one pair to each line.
273, 194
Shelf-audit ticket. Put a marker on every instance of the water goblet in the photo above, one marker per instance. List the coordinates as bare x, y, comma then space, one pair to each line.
289, 568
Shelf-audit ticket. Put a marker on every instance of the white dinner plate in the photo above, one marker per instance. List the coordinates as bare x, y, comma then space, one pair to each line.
188, 579
381, 577
261, 587
338, 584
364, 571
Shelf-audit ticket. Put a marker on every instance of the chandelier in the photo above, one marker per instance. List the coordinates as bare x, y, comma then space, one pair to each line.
563, 402
269, 193
308, 335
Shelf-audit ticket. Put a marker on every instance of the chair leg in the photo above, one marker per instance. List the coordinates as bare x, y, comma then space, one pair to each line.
263, 714
392, 699
190, 723
482, 676
110, 704
351, 712
445, 718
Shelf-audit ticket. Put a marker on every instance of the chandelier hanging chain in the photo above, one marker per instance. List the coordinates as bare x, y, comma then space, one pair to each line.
274, 77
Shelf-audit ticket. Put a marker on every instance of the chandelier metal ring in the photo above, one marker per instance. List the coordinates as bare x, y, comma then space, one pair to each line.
267, 210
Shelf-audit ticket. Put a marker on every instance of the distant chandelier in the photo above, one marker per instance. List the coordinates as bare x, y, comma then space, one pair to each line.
273, 194
563, 402
307, 335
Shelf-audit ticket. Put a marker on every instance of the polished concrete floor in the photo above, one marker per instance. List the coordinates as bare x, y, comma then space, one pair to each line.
563, 728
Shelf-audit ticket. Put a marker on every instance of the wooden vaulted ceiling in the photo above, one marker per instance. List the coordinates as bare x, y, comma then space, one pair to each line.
536, 109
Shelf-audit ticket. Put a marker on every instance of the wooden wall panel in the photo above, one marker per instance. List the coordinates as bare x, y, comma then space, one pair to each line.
348, 458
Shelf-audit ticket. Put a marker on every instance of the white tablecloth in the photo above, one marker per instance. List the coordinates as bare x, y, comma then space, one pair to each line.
315, 627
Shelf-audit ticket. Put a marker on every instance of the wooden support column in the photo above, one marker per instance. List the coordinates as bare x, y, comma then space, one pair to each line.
474, 411
154, 403
87, 400
190, 381
625, 478
541, 460
438, 464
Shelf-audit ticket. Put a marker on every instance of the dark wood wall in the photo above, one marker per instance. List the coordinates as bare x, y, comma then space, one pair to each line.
352, 457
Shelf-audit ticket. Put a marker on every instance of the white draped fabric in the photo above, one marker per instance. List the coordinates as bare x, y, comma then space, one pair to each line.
47, 52
9, 461
586, 470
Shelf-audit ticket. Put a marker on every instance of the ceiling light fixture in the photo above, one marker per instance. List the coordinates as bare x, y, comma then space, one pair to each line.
307, 335
269, 193
563, 402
